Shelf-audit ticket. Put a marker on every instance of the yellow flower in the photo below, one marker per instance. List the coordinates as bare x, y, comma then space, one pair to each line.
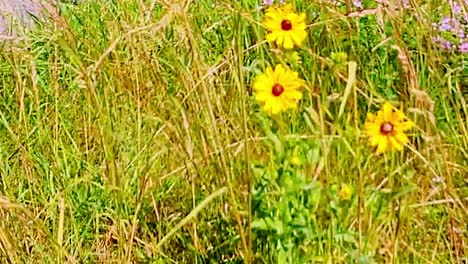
278, 89
295, 160
285, 27
345, 192
387, 129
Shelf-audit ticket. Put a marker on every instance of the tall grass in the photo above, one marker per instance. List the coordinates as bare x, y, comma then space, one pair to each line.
130, 134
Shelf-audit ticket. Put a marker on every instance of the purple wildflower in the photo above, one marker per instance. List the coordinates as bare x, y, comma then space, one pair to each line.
445, 24
267, 2
357, 3
456, 8
446, 44
464, 47
443, 43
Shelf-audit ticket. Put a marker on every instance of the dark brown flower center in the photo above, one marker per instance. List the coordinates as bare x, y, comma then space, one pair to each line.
386, 128
277, 89
286, 25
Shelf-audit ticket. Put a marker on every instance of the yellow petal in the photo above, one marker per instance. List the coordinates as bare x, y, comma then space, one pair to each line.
387, 111
263, 83
372, 129
406, 125
395, 144
293, 94
370, 117
298, 37
290, 81
401, 138
262, 96
280, 39
397, 116
275, 107
279, 71
375, 140
292, 105
288, 42
292, 17
267, 106
269, 72
271, 37
301, 18
383, 145
288, 8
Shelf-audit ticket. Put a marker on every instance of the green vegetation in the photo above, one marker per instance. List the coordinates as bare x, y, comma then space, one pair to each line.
131, 134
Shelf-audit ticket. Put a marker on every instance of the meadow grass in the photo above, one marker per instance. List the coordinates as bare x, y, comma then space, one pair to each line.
130, 134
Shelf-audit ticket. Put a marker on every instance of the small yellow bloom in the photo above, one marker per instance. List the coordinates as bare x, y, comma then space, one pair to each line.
345, 192
296, 161
387, 129
278, 89
285, 27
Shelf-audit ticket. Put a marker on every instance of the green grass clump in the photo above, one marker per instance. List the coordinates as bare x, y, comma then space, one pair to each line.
130, 133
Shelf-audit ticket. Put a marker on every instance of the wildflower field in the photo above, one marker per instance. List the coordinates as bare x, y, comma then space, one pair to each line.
249, 131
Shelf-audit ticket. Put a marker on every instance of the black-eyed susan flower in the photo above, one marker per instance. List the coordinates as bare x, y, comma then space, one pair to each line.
285, 27
278, 89
387, 129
